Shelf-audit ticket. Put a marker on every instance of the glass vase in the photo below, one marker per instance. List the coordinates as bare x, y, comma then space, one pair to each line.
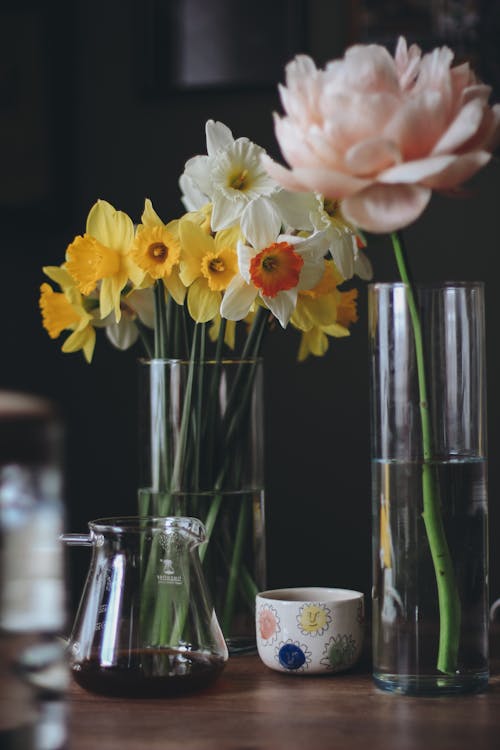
429, 480
201, 437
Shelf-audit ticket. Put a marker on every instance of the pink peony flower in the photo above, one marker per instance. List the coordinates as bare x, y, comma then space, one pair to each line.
380, 133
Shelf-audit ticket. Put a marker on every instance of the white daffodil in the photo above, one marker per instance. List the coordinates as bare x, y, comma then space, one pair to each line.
273, 267
311, 212
230, 177
138, 304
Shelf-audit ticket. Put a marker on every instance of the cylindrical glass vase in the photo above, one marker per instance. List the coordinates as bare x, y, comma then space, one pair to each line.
429, 479
203, 455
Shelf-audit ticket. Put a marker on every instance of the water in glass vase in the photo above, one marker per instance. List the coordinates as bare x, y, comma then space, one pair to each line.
405, 600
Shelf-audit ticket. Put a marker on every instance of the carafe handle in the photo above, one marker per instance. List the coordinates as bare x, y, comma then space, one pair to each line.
77, 540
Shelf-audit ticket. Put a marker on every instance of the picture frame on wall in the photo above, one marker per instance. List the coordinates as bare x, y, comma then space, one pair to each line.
195, 45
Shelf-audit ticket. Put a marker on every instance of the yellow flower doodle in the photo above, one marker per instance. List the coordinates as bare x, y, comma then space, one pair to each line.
313, 619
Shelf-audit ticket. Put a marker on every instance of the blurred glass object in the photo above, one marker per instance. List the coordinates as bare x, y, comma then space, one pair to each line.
33, 668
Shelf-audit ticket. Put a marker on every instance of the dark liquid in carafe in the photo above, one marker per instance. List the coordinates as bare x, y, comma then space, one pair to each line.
149, 673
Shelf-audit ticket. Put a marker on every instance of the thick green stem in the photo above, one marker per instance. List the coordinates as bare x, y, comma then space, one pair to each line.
160, 343
448, 597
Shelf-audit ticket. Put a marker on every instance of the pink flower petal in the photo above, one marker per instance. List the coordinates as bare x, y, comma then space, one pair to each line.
294, 146
329, 182
371, 155
284, 177
418, 124
462, 167
386, 208
488, 135
416, 170
464, 126
476, 91
369, 68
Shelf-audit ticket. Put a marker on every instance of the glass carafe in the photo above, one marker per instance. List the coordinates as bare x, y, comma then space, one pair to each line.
145, 625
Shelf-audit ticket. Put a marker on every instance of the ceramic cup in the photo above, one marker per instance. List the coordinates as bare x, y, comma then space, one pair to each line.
309, 630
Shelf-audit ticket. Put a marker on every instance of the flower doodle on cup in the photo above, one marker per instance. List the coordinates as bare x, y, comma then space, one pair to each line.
293, 656
313, 619
339, 652
268, 624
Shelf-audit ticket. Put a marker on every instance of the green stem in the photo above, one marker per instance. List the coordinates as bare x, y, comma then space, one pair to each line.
180, 454
448, 596
198, 410
160, 345
234, 569
145, 337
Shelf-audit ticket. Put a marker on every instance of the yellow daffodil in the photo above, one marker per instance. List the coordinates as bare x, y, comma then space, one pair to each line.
156, 250
324, 311
208, 265
102, 257
65, 311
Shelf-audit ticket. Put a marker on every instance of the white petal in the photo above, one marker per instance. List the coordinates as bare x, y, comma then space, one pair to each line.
245, 255
282, 305
238, 299
123, 334
342, 252
198, 169
192, 197
142, 302
296, 208
261, 222
316, 246
225, 212
362, 266
310, 273
218, 137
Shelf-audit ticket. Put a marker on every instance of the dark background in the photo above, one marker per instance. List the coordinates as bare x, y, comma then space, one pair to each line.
108, 99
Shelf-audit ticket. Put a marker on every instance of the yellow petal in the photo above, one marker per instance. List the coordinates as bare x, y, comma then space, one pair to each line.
110, 295
195, 244
203, 304
134, 273
110, 227
335, 329
230, 334
57, 312
81, 340
227, 238
301, 318
313, 342
149, 216
175, 287
60, 275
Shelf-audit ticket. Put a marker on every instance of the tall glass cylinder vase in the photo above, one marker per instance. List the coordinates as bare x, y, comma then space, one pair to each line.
202, 455
429, 479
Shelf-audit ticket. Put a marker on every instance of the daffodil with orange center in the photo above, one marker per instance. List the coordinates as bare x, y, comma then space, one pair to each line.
64, 310
208, 265
272, 267
101, 258
156, 250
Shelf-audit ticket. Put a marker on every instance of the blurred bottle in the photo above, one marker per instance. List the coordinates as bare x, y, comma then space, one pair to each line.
33, 669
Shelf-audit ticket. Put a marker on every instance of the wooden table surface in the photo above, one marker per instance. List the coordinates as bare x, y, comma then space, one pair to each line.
251, 707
